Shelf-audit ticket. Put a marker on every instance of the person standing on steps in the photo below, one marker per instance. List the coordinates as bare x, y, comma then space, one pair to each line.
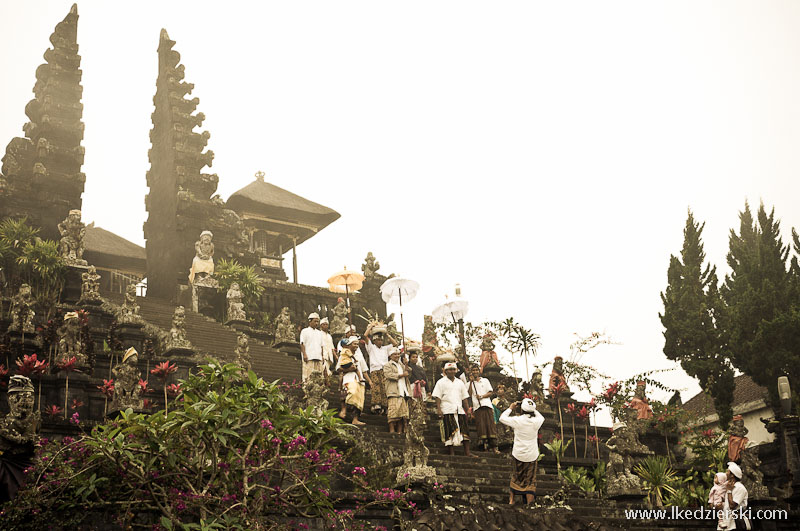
329, 355
452, 407
397, 392
480, 389
378, 353
311, 347
525, 453
352, 384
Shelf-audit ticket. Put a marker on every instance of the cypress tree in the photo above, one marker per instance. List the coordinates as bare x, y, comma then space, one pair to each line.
691, 310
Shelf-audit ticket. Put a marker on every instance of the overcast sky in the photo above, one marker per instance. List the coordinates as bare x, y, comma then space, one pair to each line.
543, 155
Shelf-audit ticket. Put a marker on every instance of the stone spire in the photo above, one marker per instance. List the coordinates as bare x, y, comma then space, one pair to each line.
41, 174
180, 204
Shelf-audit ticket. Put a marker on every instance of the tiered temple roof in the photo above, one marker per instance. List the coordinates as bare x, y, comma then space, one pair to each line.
41, 173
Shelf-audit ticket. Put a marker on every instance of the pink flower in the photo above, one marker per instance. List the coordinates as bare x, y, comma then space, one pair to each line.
297, 441
360, 471
76, 419
267, 425
107, 389
164, 369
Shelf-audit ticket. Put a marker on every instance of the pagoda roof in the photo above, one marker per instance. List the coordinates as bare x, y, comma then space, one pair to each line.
100, 240
272, 205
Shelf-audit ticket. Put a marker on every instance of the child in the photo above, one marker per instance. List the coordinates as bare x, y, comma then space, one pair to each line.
716, 497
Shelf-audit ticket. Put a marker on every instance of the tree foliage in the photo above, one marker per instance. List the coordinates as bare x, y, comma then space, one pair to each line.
229, 271
691, 308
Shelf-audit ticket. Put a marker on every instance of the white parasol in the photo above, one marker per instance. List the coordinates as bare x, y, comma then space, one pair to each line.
395, 291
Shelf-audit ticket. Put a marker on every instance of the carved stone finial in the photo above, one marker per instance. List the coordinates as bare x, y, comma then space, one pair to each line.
235, 305
90, 286
129, 311
260, 176
243, 351
284, 330
127, 392
339, 322
70, 343
177, 334
22, 313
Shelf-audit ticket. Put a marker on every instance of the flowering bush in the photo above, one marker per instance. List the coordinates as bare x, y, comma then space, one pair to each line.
230, 455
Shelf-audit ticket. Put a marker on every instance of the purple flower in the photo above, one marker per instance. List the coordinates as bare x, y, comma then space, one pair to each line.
76, 419
312, 455
360, 470
267, 425
297, 441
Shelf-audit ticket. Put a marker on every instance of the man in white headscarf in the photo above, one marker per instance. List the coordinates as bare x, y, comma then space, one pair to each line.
735, 500
525, 454
311, 339
452, 407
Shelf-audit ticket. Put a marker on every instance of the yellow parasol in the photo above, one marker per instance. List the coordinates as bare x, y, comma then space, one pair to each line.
346, 282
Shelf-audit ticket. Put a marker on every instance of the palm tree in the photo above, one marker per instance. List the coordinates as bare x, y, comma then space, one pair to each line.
657, 476
44, 270
15, 234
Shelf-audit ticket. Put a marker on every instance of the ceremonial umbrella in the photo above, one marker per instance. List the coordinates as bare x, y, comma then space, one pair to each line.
393, 291
455, 309
344, 282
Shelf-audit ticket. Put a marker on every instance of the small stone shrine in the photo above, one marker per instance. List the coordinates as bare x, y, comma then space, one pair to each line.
17, 436
72, 231
127, 391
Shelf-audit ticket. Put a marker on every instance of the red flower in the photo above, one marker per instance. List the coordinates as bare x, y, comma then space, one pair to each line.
592, 404
557, 436
164, 369
143, 384
3, 374
147, 404
75, 404
54, 411
107, 389
174, 389
67, 365
29, 365
570, 409
709, 433
583, 413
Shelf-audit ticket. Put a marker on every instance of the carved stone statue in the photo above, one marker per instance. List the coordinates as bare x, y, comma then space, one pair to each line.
284, 330
72, 230
415, 454
90, 286
752, 477
429, 339
177, 334
129, 311
242, 351
203, 263
488, 355
235, 305
640, 403
370, 266
736, 438
557, 377
22, 313
127, 392
339, 322
17, 436
69, 342
314, 390
624, 448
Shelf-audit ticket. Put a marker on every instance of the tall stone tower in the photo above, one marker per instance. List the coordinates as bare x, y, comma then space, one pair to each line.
41, 174
180, 204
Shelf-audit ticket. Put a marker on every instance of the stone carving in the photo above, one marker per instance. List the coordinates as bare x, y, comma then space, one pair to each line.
339, 322
370, 266
69, 342
314, 390
537, 388
129, 311
235, 305
177, 333
752, 477
557, 377
17, 435
242, 351
22, 313
415, 454
202, 271
624, 447
90, 285
127, 391
640, 404
284, 331
72, 231
488, 355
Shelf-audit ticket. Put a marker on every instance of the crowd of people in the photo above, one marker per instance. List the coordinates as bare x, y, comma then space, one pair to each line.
462, 396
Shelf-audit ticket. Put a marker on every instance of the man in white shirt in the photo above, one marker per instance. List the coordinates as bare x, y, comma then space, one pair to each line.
480, 389
329, 355
378, 353
311, 347
451, 397
735, 500
525, 453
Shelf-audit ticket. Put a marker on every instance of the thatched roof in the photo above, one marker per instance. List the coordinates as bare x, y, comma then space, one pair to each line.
745, 391
100, 240
266, 199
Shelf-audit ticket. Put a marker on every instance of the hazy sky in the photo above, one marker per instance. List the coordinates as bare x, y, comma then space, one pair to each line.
541, 154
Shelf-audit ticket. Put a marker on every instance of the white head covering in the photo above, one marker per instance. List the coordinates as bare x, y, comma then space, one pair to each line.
735, 470
528, 405
450, 365
314, 315
324, 321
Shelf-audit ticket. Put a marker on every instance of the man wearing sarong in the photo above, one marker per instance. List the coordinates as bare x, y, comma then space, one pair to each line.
480, 390
397, 392
329, 355
311, 347
452, 407
525, 453
352, 385
378, 353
